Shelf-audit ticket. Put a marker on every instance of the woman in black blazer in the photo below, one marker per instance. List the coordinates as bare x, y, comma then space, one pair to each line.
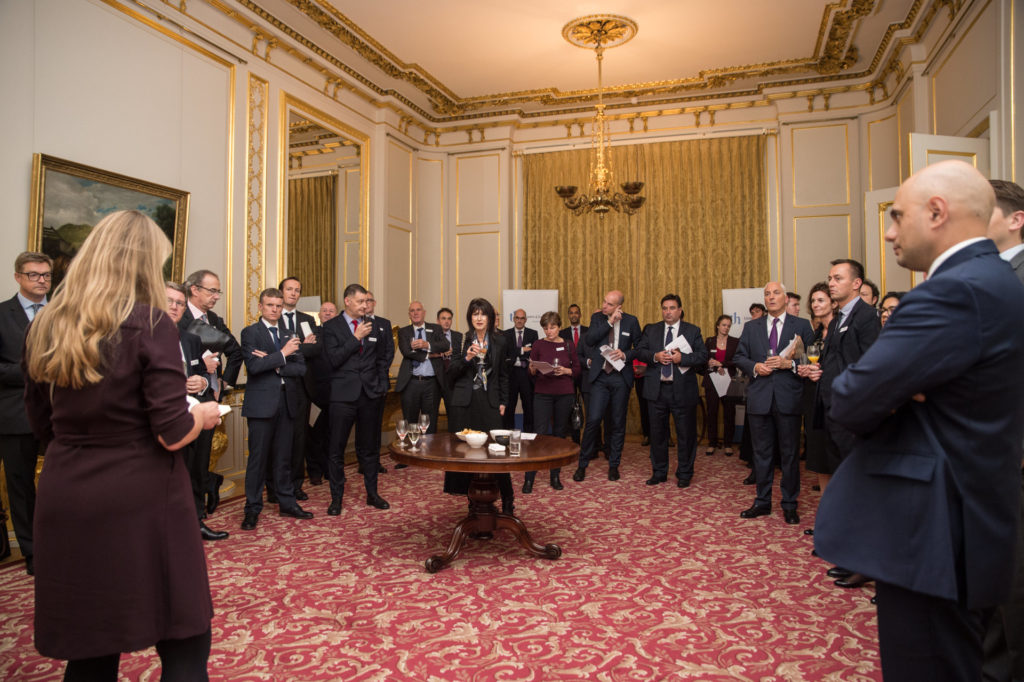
479, 384
721, 348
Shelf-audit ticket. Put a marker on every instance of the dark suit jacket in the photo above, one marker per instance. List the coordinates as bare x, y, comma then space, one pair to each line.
310, 351
461, 373
782, 385
1017, 263
438, 344
455, 347
263, 383
514, 353
684, 385
192, 347
844, 345
597, 336
354, 370
566, 333
13, 322
233, 352
928, 499
711, 343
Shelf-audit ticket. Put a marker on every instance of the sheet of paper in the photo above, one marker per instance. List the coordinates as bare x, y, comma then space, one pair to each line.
529, 436
720, 382
306, 330
617, 364
787, 352
542, 367
681, 344
207, 353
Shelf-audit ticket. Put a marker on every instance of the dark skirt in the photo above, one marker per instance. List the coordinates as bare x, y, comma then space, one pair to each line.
815, 438
478, 415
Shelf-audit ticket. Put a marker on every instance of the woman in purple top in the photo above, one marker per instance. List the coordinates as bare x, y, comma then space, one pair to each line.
553, 389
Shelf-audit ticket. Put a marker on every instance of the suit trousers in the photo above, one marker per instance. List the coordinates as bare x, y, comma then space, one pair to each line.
765, 431
362, 414
197, 463
269, 438
317, 445
19, 453
420, 396
1004, 638
300, 434
609, 397
685, 417
921, 637
520, 386
642, 403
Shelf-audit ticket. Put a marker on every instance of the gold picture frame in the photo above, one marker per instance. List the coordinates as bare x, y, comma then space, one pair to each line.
69, 198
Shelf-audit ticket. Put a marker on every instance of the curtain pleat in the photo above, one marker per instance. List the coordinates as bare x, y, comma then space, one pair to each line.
312, 234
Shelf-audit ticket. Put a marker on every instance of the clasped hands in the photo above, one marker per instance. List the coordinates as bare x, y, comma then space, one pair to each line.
289, 347
667, 357
773, 363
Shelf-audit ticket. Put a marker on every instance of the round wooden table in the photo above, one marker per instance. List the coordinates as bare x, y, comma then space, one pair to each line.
445, 452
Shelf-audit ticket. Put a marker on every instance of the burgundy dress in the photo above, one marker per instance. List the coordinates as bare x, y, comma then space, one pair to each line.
118, 558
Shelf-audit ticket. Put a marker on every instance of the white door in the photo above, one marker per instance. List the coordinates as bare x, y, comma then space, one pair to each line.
879, 262
928, 149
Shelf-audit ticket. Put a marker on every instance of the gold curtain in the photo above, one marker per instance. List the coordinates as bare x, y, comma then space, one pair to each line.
313, 234
702, 229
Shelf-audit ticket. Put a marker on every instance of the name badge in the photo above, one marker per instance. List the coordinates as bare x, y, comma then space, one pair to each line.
372, 338
625, 333
843, 330
194, 362
560, 348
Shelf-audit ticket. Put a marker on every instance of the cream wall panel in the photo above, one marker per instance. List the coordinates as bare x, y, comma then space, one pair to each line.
966, 80
818, 241
350, 267
398, 272
477, 273
821, 165
430, 260
883, 152
478, 195
399, 183
17, 58
351, 180
905, 126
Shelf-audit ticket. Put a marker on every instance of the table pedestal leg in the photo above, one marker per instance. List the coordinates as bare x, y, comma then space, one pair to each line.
483, 519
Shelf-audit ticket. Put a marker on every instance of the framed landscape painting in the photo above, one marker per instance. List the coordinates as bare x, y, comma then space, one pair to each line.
68, 199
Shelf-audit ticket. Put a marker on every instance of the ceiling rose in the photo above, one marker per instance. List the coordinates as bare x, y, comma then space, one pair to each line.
599, 30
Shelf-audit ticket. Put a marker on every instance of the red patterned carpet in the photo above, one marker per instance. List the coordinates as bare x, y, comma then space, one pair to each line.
653, 584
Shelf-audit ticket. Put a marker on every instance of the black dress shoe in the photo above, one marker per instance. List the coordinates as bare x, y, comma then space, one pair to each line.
296, 512
213, 497
556, 482
808, 531
579, 474
682, 483
249, 522
790, 516
814, 552
208, 534
854, 580
838, 572
527, 486
377, 501
816, 488
334, 509
645, 442
301, 495
874, 600
613, 473
750, 480
30, 566
655, 480
754, 512
401, 466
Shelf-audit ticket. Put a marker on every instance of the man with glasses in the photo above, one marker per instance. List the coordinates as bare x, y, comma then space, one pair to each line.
197, 386
203, 288
18, 447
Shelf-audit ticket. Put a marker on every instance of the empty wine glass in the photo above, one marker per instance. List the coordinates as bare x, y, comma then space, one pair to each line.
424, 422
401, 428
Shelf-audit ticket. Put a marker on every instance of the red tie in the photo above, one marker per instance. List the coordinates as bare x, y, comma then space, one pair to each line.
575, 336
355, 323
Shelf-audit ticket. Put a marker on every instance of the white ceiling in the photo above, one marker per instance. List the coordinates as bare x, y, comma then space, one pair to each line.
476, 53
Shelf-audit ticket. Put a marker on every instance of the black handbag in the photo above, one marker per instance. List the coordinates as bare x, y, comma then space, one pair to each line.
211, 338
576, 416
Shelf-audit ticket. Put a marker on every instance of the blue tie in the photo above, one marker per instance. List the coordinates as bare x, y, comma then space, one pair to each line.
277, 341
666, 370
419, 335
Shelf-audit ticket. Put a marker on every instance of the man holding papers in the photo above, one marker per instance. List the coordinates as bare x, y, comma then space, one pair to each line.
673, 350
765, 353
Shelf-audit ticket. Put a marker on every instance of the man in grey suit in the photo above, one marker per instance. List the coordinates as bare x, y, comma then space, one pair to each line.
1004, 638
18, 447
773, 400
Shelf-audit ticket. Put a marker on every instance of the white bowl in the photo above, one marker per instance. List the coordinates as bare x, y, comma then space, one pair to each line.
476, 440
500, 432
460, 436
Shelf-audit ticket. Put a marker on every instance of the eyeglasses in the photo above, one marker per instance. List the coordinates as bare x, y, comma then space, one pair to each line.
36, 276
215, 292
175, 303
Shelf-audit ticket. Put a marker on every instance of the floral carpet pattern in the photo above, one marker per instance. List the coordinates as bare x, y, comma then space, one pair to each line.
654, 583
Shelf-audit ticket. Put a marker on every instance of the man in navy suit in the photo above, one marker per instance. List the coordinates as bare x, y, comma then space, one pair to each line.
927, 502
359, 377
274, 368
445, 316
619, 333
519, 342
670, 387
773, 400
19, 448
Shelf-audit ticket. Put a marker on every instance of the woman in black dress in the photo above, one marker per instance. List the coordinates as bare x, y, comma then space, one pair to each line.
479, 389
118, 558
819, 302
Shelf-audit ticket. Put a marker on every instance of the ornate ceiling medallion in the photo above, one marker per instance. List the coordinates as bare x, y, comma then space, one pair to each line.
600, 30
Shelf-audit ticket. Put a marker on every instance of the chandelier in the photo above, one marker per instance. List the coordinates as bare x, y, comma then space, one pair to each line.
599, 32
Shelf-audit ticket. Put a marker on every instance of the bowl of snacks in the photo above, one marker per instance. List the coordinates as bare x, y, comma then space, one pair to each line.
476, 439
501, 435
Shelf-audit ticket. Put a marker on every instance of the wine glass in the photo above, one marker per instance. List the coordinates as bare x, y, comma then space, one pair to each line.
814, 352
401, 428
414, 436
424, 423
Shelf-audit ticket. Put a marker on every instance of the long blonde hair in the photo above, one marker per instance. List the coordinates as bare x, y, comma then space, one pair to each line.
119, 265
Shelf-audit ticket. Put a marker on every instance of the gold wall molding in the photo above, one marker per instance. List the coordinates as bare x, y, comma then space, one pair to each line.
255, 192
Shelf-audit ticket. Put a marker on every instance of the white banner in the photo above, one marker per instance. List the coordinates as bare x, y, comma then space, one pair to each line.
535, 302
736, 304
